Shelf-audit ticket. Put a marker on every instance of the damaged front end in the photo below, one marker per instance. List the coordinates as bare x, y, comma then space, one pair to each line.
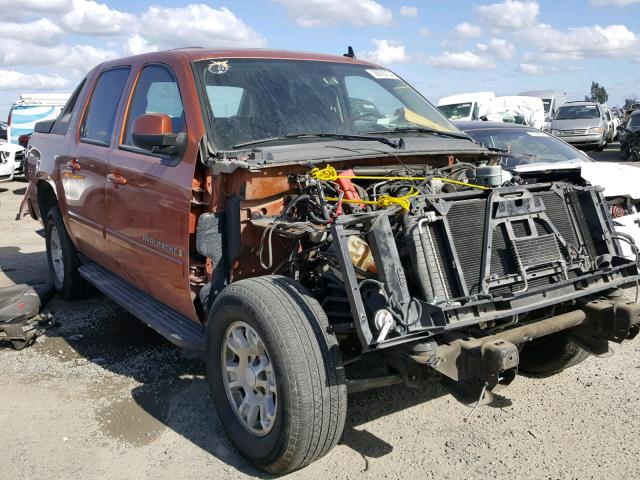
445, 268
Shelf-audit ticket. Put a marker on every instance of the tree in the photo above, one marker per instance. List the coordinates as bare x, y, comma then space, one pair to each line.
598, 94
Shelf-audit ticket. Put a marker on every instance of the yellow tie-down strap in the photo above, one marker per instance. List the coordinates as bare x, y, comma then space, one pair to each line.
330, 174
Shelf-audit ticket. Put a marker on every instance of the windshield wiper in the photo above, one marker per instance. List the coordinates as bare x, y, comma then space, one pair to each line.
340, 136
431, 131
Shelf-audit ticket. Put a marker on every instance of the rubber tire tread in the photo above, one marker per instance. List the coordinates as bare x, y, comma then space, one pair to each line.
551, 355
73, 286
300, 324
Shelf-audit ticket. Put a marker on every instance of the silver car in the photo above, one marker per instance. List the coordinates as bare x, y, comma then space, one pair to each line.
581, 124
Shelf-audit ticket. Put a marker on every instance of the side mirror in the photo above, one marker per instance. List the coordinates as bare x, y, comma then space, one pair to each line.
44, 126
153, 131
620, 128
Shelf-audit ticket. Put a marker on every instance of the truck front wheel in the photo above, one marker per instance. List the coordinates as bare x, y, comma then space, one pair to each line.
275, 373
550, 355
62, 258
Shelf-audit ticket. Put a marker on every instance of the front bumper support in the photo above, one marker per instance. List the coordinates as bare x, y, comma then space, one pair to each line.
469, 364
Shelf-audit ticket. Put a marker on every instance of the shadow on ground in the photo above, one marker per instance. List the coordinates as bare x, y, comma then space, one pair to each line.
173, 391
21, 267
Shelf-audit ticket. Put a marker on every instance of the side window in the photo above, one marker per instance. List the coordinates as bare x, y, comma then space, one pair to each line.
156, 92
61, 125
97, 126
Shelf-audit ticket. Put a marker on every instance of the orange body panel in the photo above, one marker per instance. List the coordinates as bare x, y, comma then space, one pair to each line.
135, 214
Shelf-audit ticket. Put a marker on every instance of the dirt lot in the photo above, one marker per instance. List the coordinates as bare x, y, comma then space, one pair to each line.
102, 396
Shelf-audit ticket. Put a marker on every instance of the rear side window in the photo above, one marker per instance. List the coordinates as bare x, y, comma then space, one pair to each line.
61, 125
97, 126
156, 92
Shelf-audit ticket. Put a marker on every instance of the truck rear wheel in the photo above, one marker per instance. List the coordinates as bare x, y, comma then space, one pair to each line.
62, 258
551, 354
275, 373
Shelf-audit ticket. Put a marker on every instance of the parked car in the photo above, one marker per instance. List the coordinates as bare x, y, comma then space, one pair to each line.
516, 109
466, 106
31, 108
632, 108
633, 147
552, 100
581, 124
611, 128
226, 198
615, 117
527, 152
628, 128
11, 160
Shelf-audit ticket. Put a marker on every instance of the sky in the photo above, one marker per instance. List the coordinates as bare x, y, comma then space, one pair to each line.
440, 47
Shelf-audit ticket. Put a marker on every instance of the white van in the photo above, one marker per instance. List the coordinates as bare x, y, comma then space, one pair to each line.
31, 108
552, 100
465, 106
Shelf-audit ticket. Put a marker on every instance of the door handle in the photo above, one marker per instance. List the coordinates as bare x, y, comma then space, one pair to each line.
73, 164
117, 179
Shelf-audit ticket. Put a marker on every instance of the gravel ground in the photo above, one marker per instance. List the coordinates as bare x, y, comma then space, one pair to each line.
102, 396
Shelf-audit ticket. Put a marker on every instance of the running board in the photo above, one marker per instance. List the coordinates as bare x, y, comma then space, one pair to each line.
172, 325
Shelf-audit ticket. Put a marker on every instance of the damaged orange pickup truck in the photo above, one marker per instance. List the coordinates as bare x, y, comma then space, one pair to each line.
295, 215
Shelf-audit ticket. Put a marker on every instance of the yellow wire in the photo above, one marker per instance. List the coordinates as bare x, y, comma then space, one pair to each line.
330, 174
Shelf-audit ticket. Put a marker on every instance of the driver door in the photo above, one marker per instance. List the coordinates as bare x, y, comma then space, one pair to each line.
148, 198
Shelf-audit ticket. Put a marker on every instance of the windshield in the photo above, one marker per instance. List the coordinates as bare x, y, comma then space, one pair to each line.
456, 111
547, 104
255, 99
634, 121
527, 146
575, 112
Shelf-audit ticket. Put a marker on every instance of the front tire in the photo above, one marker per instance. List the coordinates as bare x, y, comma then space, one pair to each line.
268, 344
62, 258
552, 354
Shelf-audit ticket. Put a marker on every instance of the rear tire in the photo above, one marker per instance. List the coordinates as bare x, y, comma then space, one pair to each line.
62, 258
551, 354
277, 318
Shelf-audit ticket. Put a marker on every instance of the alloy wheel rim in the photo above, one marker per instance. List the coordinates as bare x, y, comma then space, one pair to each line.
57, 257
249, 379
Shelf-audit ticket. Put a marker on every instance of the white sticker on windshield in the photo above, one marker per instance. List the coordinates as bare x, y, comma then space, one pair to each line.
537, 134
382, 74
220, 67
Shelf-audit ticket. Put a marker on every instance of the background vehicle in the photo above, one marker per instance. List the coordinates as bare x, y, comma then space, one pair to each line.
581, 124
634, 107
615, 118
466, 106
552, 100
528, 152
3, 131
611, 127
628, 128
632, 152
31, 108
11, 160
517, 109
236, 202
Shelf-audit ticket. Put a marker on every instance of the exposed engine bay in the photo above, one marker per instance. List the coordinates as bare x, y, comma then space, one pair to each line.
398, 254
